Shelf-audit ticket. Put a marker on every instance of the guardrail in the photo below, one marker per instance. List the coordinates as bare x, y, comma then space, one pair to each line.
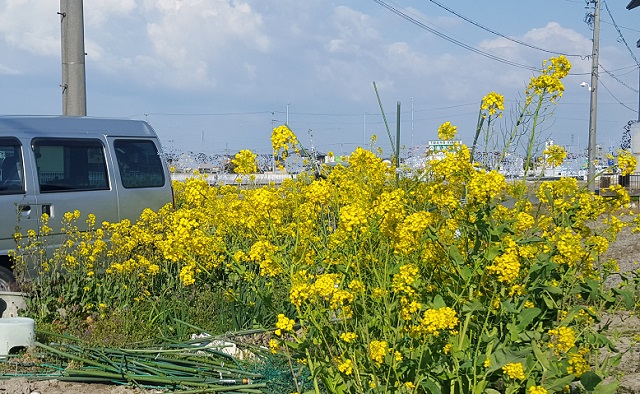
235, 179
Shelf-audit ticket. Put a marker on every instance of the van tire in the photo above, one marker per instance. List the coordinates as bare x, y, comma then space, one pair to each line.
7, 280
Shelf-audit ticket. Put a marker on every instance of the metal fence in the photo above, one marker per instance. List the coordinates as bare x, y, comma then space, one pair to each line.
631, 182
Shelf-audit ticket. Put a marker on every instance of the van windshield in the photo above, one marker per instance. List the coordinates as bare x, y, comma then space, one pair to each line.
11, 169
139, 163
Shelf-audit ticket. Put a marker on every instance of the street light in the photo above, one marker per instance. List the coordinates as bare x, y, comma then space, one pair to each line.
287, 122
638, 46
591, 149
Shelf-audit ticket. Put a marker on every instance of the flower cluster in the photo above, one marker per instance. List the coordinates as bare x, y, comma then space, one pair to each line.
549, 82
245, 162
436, 320
378, 350
492, 103
627, 162
514, 371
283, 140
563, 339
554, 155
447, 131
284, 324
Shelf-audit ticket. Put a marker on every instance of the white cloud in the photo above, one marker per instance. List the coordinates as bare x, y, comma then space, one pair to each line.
354, 32
4, 70
196, 38
36, 31
99, 12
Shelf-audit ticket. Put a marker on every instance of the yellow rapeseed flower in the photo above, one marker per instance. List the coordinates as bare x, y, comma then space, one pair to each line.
284, 324
537, 390
493, 102
436, 320
348, 336
245, 162
447, 131
274, 346
554, 155
549, 81
514, 371
577, 364
352, 217
507, 264
345, 367
563, 339
378, 350
627, 162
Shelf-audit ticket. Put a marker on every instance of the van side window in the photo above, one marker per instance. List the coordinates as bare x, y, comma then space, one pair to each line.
139, 163
11, 169
70, 165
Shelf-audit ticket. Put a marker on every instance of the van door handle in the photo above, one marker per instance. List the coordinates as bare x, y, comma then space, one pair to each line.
46, 209
24, 210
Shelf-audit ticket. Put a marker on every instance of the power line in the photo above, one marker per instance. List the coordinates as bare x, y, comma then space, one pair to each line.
615, 98
502, 35
450, 39
620, 36
618, 79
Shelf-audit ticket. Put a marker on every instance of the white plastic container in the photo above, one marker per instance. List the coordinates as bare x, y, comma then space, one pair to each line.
16, 332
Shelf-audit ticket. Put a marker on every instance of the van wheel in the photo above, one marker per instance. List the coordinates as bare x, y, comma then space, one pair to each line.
7, 280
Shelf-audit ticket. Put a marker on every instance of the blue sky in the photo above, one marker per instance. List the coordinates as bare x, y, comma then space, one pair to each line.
216, 75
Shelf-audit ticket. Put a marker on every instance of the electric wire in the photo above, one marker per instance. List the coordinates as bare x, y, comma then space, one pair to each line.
504, 36
620, 36
452, 40
614, 97
618, 79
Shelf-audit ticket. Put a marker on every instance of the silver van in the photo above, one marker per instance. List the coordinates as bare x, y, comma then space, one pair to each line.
56, 164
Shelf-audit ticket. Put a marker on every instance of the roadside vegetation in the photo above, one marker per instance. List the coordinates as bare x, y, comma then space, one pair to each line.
365, 278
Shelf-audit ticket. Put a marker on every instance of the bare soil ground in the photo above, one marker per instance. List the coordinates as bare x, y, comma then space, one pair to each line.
624, 329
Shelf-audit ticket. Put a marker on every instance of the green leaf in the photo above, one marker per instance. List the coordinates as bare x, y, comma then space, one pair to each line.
489, 334
455, 255
501, 357
590, 380
608, 388
548, 301
601, 340
540, 356
509, 307
627, 296
465, 273
473, 306
615, 360
553, 289
572, 313
513, 331
527, 316
430, 386
438, 302
558, 384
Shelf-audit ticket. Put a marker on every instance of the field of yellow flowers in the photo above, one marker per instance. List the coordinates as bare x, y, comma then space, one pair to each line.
373, 280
